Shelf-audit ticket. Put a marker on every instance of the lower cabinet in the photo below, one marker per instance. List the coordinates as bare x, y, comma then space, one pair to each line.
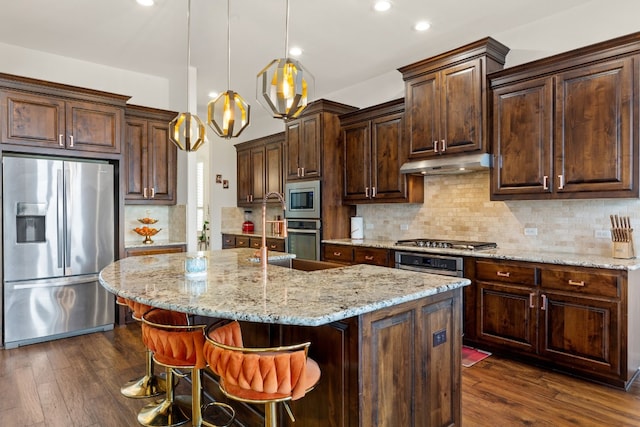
357, 255
576, 319
245, 241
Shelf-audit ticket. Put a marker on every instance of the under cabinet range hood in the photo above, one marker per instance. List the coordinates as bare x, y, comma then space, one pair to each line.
449, 165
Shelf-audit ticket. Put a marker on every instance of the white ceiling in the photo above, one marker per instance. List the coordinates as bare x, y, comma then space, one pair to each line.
344, 41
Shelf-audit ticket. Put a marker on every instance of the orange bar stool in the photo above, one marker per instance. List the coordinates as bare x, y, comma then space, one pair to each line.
176, 344
259, 375
149, 385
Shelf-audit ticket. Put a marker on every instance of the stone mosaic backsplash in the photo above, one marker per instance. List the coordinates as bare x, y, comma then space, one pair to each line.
458, 207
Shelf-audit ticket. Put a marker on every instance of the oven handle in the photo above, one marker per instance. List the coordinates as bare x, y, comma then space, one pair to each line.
302, 231
430, 270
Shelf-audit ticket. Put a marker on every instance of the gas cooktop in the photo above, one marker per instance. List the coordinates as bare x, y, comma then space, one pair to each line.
446, 244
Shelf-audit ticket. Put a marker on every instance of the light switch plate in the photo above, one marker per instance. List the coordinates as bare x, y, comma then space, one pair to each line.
404, 227
530, 231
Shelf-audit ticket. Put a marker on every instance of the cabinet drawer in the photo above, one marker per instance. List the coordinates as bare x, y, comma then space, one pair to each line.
601, 283
275, 245
158, 250
505, 272
242, 242
228, 241
337, 253
374, 256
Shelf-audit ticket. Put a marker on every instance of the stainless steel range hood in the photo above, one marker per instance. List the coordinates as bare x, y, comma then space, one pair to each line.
449, 165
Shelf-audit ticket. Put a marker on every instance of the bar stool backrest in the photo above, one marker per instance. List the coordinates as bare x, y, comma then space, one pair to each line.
173, 341
138, 309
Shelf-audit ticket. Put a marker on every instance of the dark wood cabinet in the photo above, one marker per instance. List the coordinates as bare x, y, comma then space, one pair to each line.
304, 147
445, 99
347, 254
150, 157
374, 150
155, 250
563, 126
572, 318
245, 241
51, 121
260, 170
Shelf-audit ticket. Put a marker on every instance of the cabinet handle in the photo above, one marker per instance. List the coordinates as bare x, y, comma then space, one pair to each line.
561, 179
337, 254
576, 282
368, 257
302, 169
71, 138
545, 182
298, 172
544, 302
373, 192
251, 198
366, 192
444, 145
61, 140
153, 192
503, 273
144, 192
272, 246
531, 296
435, 146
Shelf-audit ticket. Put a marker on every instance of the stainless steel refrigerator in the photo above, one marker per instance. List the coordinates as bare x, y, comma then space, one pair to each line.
58, 225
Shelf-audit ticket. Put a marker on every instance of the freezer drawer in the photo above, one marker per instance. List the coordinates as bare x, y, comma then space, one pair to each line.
43, 309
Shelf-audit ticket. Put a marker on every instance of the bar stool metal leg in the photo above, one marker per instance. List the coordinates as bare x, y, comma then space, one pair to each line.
150, 385
166, 412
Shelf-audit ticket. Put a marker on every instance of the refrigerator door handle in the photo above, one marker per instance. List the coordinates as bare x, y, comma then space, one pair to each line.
60, 220
52, 283
65, 198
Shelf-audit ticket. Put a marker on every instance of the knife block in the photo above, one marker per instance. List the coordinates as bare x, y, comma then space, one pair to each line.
624, 250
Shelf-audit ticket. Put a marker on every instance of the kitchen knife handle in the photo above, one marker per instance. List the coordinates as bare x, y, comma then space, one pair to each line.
531, 296
503, 273
561, 179
545, 182
576, 282
544, 302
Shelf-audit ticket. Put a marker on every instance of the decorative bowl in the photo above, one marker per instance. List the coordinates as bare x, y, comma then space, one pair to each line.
147, 220
147, 232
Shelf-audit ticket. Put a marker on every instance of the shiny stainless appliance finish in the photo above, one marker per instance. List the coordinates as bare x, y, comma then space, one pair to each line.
303, 238
429, 263
303, 199
58, 219
447, 244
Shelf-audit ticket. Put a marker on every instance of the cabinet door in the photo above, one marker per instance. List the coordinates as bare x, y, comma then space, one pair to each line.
257, 175
386, 144
580, 332
507, 316
245, 179
522, 138
309, 153
162, 163
34, 120
461, 107
594, 135
136, 159
228, 241
273, 168
293, 140
357, 165
93, 127
422, 104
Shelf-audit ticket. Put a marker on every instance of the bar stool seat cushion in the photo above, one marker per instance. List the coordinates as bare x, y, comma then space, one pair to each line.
176, 348
260, 376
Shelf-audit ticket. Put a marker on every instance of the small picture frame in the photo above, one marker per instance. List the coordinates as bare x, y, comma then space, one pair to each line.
218, 179
225, 183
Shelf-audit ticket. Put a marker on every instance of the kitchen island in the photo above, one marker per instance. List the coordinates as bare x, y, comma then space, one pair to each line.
387, 341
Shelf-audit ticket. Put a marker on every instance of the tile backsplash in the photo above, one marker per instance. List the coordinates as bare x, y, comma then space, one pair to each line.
458, 207
171, 219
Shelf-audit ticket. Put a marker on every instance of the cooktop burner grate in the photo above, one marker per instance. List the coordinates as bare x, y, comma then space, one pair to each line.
447, 244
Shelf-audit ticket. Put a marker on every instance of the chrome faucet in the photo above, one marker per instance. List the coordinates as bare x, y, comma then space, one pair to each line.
263, 249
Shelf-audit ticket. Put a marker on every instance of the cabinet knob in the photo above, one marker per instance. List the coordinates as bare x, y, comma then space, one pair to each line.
368, 257
337, 254
503, 273
576, 282
272, 246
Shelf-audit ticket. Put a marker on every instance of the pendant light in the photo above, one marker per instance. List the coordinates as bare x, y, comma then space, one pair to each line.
229, 107
284, 86
186, 131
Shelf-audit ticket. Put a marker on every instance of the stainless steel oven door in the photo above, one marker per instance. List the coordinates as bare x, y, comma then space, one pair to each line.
303, 238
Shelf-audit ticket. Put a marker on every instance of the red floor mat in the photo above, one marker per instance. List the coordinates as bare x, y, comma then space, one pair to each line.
471, 356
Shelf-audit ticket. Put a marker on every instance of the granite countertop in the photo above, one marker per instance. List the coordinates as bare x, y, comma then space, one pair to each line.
547, 257
236, 288
156, 243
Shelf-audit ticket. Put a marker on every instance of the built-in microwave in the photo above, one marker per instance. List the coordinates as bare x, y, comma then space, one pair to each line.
303, 199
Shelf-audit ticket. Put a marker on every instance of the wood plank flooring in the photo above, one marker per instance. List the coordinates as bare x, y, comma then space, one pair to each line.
75, 382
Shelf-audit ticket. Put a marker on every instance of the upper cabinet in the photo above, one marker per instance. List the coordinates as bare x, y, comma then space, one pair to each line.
563, 126
445, 99
150, 158
374, 150
260, 169
52, 118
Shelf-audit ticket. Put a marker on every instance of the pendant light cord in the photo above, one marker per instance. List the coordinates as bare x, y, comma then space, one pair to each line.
228, 45
188, 53
286, 32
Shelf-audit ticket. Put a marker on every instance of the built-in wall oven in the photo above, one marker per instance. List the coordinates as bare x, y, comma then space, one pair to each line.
303, 238
303, 213
428, 263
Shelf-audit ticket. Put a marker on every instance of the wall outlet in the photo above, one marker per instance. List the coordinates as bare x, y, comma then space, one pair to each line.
602, 234
439, 337
404, 227
530, 231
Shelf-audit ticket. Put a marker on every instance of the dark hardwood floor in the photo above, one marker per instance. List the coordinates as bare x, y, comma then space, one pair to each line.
76, 382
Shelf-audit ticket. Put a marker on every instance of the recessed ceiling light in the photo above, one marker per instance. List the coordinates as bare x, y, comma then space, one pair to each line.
382, 5
145, 2
422, 26
295, 51
213, 94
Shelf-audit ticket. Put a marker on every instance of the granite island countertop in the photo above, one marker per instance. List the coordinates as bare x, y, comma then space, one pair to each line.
546, 257
236, 288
